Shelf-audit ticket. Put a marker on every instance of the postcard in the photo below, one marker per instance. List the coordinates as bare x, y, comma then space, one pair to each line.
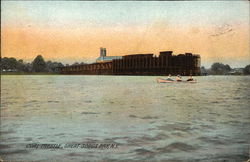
125, 81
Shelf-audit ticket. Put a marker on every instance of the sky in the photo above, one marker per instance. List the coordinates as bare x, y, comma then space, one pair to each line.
70, 31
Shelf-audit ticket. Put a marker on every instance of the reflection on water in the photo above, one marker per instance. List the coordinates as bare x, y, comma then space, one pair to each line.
205, 121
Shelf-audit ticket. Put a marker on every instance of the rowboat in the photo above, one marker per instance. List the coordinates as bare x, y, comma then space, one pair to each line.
160, 80
193, 81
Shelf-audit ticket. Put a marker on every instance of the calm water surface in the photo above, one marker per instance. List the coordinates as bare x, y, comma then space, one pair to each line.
149, 121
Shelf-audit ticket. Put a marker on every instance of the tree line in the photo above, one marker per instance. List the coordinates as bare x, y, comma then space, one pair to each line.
37, 65
218, 68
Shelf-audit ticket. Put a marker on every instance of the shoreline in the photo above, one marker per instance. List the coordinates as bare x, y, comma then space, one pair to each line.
51, 73
29, 73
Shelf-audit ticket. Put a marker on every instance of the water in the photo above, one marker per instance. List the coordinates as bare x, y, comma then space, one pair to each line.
205, 121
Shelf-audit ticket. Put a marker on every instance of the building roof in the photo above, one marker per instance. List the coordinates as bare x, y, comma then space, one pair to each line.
107, 58
140, 55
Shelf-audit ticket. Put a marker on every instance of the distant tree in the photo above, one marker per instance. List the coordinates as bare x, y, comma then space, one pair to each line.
60, 64
227, 68
13, 63
20, 61
8, 63
219, 68
203, 71
49, 66
52, 66
246, 70
20, 65
27, 67
39, 65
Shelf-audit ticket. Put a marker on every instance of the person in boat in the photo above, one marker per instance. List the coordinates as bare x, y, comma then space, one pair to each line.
178, 78
190, 78
169, 78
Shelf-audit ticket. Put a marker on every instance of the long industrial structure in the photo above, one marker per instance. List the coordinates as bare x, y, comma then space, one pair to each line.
139, 64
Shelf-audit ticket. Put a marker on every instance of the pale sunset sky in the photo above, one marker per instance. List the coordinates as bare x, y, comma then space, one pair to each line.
70, 31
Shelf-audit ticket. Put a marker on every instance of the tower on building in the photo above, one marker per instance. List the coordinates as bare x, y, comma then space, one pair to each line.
103, 52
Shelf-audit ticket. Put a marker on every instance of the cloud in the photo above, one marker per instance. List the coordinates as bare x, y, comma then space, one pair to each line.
221, 30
